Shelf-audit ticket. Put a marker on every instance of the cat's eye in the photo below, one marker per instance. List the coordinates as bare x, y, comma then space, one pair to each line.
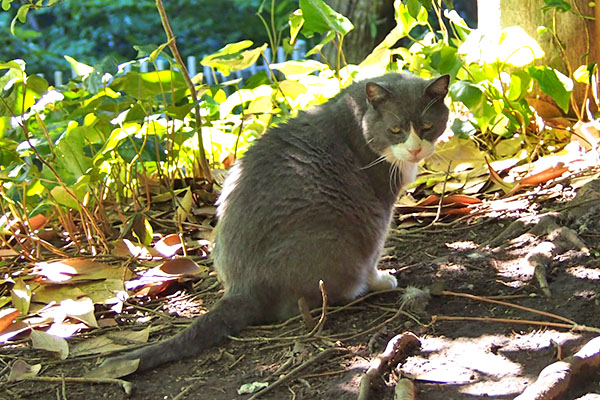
395, 130
426, 125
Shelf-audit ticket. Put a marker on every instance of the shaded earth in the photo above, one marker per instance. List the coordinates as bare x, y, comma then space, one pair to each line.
469, 349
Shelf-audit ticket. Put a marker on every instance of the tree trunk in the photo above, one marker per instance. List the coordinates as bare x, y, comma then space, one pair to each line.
372, 19
577, 36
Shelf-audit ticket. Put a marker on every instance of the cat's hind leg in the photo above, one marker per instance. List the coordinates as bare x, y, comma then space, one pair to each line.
381, 280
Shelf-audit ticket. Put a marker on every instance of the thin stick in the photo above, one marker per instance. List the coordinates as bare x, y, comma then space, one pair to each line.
319, 327
473, 297
578, 328
204, 167
127, 386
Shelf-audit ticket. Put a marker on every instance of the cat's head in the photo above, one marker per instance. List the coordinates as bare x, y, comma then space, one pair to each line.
405, 116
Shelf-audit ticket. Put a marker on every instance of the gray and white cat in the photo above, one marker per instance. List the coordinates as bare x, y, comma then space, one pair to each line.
312, 200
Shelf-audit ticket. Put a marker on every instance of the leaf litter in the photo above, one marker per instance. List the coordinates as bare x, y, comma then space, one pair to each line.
77, 299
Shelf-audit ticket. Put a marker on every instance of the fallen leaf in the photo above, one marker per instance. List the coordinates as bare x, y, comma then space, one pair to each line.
7, 318
78, 269
110, 342
114, 369
169, 245
37, 222
21, 370
13, 330
81, 309
43, 341
47, 293
21, 296
185, 207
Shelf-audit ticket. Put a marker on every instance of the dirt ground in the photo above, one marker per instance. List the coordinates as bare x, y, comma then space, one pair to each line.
477, 354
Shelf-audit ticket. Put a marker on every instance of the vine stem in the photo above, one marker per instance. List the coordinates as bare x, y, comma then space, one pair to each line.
204, 167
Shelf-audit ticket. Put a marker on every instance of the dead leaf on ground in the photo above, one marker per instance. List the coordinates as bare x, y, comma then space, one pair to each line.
21, 370
7, 317
43, 341
21, 296
114, 369
169, 245
110, 342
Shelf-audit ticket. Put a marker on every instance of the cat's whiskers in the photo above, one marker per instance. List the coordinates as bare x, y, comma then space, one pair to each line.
374, 162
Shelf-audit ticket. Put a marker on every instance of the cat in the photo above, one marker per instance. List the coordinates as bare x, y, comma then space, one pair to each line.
312, 200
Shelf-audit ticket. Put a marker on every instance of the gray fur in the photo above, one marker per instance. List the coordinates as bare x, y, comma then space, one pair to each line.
312, 200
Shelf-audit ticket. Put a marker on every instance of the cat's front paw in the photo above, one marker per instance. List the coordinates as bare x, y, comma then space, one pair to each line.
382, 280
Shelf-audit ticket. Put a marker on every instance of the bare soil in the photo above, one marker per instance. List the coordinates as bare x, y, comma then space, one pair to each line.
477, 355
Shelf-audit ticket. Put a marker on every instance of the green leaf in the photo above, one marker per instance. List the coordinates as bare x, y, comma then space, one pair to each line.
15, 64
464, 129
554, 84
80, 69
413, 7
232, 58
558, 5
6, 4
467, 93
38, 84
320, 18
296, 22
21, 16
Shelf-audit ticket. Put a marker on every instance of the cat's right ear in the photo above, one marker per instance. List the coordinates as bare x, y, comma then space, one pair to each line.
377, 94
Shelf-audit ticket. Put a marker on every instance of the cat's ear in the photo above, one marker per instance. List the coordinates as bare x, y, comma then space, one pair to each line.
438, 88
377, 94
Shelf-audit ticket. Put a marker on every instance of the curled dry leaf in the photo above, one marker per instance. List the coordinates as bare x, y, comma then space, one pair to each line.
7, 318
81, 309
21, 370
169, 245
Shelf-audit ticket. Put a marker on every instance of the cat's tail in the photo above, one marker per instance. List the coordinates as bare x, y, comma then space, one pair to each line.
228, 316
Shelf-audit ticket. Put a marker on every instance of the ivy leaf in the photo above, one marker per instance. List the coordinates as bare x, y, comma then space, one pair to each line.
467, 93
554, 84
320, 18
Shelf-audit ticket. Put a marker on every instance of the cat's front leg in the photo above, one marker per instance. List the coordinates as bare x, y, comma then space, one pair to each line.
381, 280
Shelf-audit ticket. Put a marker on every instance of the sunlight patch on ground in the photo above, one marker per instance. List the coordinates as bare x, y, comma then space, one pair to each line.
582, 272
481, 366
464, 245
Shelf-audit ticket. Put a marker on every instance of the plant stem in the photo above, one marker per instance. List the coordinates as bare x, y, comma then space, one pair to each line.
204, 167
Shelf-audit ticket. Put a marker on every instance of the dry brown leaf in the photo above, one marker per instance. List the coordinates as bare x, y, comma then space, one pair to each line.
7, 318
14, 330
169, 245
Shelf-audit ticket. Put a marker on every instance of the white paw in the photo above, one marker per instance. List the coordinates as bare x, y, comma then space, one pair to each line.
382, 280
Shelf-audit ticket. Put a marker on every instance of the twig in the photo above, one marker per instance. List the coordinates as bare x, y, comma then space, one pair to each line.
319, 327
503, 303
127, 386
398, 347
293, 373
577, 328
205, 168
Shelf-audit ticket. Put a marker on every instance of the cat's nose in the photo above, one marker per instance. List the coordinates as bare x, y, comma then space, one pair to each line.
415, 152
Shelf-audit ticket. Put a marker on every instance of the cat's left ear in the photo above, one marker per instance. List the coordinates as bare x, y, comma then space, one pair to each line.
438, 88
377, 94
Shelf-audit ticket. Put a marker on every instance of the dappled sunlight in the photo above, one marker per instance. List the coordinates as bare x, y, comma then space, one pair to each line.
583, 272
482, 366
